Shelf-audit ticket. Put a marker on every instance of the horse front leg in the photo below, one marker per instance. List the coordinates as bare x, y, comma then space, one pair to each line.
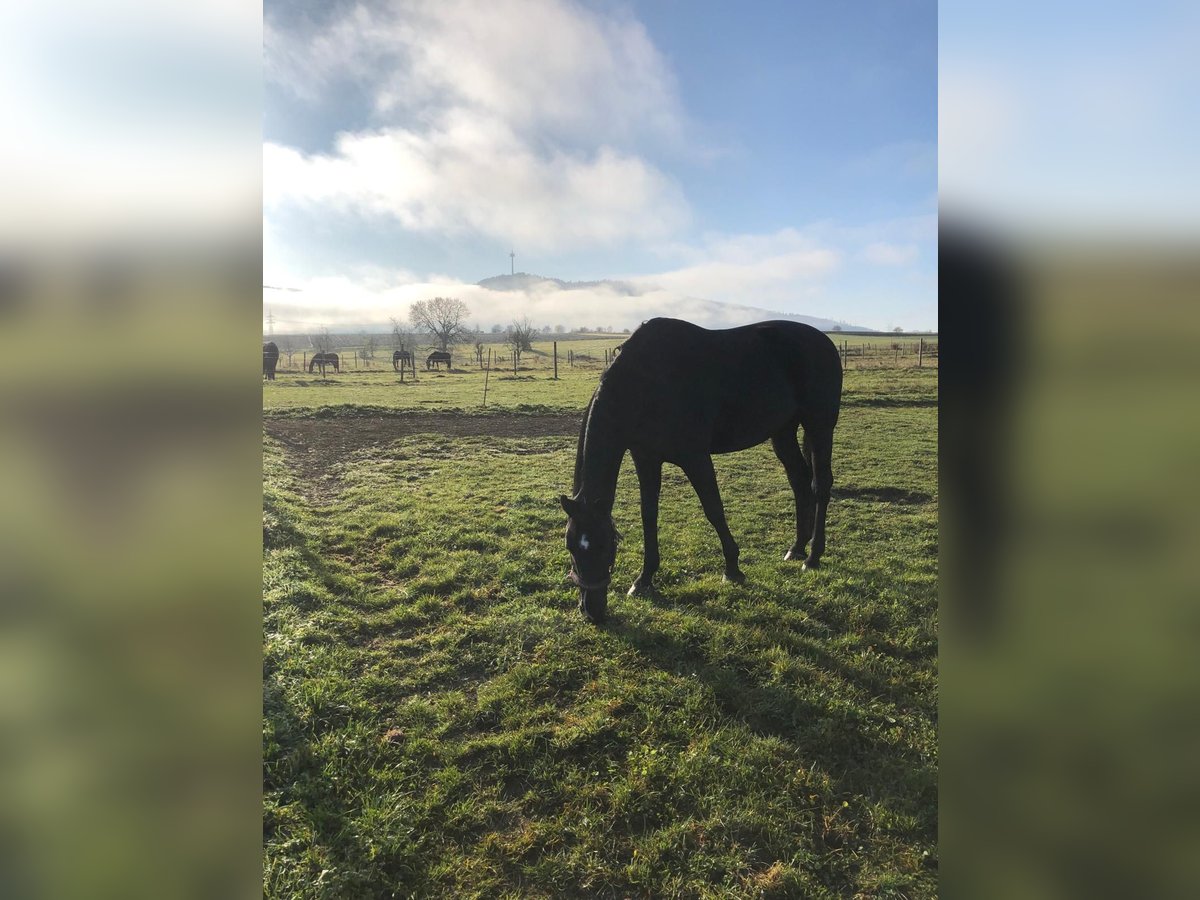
703, 476
649, 472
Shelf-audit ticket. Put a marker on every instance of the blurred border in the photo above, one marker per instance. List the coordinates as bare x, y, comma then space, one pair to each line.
1069, 275
130, 450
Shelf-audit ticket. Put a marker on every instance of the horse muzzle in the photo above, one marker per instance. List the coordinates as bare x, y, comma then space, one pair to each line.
593, 597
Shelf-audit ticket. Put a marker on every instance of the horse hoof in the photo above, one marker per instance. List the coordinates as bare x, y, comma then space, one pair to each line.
637, 589
810, 564
735, 577
794, 553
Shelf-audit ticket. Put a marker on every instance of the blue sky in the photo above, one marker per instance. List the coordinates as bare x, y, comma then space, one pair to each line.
776, 155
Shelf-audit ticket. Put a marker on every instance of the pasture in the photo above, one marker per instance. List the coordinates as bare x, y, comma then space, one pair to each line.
439, 720
376, 384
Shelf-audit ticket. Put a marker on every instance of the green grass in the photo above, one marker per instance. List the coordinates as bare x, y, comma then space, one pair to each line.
440, 721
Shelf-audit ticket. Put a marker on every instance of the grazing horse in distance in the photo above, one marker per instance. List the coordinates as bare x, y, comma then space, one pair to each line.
400, 359
435, 359
323, 360
270, 360
663, 400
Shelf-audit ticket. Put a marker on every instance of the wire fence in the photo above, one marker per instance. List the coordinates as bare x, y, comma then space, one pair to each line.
921, 353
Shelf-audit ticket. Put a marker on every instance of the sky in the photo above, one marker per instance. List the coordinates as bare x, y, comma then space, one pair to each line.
780, 156
1072, 120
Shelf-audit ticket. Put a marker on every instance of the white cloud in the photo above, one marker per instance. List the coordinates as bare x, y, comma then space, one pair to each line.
767, 272
544, 67
521, 120
473, 175
862, 274
736, 268
351, 303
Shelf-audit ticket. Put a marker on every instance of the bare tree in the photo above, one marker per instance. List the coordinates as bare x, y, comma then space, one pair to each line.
559, 329
401, 338
445, 318
370, 343
497, 328
520, 335
288, 346
322, 341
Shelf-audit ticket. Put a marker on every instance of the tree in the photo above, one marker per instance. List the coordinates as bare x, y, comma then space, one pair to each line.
445, 318
401, 338
898, 330
520, 336
288, 346
559, 329
322, 341
479, 353
497, 328
369, 345
836, 328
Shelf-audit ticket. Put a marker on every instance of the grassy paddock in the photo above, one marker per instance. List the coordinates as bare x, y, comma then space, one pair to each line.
440, 721
532, 384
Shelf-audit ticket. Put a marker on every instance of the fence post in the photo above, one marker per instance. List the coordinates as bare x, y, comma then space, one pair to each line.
921, 354
486, 375
556, 360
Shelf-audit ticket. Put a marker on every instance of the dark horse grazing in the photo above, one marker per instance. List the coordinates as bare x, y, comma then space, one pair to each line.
323, 360
270, 360
400, 359
664, 400
436, 358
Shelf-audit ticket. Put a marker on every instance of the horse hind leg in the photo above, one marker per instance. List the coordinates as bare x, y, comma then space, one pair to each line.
799, 474
820, 442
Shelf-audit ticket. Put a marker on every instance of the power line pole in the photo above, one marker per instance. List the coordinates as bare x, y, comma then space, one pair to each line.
512, 262
270, 322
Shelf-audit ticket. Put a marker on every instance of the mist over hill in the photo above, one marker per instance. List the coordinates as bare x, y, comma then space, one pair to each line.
625, 304
344, 306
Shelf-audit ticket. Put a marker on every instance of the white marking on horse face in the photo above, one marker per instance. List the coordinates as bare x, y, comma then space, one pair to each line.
583, 542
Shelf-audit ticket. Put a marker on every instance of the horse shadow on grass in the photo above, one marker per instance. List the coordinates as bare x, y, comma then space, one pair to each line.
848, 744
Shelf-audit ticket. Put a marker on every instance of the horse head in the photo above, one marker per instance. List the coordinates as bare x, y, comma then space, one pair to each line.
592, 542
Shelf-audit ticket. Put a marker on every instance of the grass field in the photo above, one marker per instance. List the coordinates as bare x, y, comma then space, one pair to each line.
439, 720
532, 384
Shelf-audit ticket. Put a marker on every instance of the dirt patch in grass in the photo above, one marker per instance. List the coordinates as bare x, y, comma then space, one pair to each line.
315, 444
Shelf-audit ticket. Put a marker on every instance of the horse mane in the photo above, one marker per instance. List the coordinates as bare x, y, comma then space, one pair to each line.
587, 415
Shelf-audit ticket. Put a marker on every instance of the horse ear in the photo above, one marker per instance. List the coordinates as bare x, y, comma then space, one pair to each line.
571, 507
